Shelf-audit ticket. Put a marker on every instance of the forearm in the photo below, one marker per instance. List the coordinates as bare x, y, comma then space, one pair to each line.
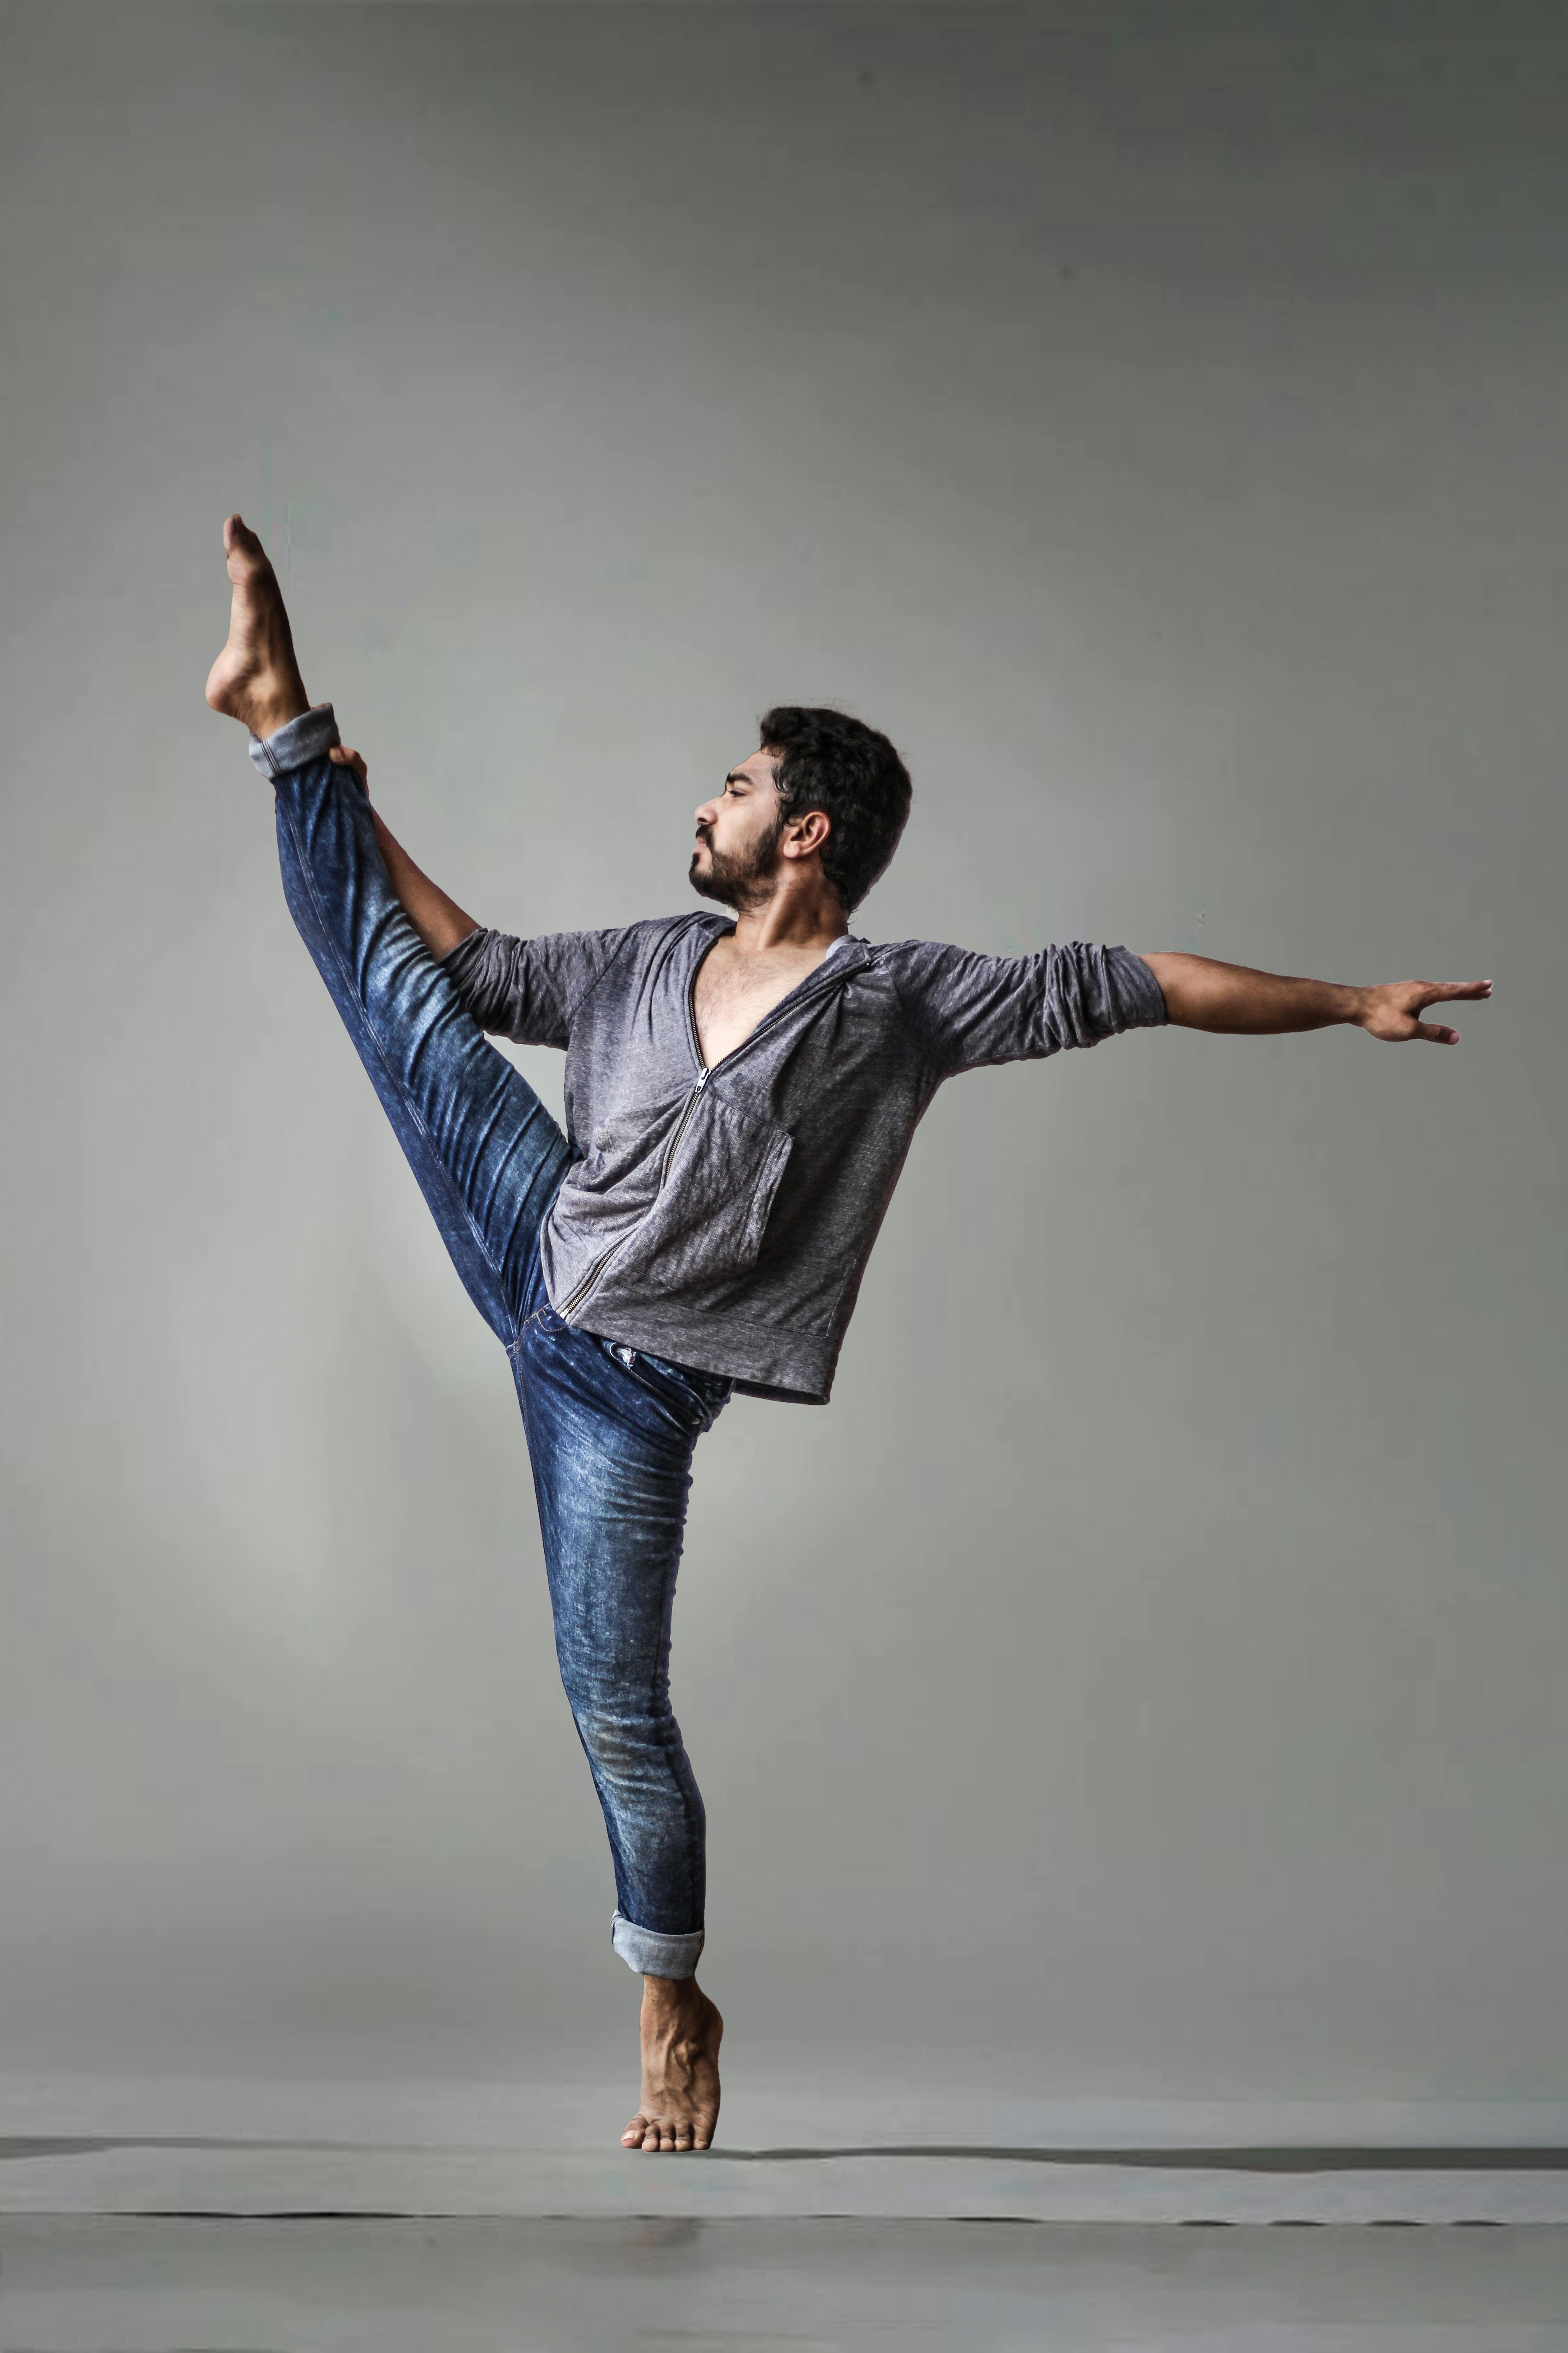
440, 921
1201, 994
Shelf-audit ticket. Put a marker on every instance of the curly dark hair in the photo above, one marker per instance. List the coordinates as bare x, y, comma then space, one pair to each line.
830, 762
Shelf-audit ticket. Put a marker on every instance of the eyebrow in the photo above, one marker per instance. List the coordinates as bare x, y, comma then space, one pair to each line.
735, 777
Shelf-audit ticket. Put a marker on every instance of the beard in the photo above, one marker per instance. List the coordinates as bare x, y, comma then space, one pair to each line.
737, 881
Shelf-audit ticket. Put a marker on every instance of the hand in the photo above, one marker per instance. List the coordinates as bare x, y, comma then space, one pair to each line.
355, 760
1390, 1012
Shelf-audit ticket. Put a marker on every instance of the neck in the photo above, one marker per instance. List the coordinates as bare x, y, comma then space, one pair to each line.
790, 919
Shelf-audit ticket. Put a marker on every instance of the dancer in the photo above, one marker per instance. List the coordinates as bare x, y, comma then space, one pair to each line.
739, 1098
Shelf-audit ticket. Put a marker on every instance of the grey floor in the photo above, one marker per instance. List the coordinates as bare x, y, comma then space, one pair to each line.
58, 2175
208, 2284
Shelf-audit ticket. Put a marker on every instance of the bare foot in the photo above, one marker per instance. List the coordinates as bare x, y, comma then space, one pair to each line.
255, 679
681, 2033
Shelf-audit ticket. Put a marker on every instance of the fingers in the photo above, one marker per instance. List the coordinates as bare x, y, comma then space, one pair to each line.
344, 757
1424, 993
1397, 1007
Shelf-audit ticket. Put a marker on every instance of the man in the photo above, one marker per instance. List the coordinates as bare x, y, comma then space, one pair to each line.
740, 1099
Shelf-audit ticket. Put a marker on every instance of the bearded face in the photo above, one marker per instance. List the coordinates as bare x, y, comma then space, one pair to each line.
737, 877
736, 859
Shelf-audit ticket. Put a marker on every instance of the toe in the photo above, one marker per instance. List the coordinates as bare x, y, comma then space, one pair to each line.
241, 541
634, 2134
683, 2136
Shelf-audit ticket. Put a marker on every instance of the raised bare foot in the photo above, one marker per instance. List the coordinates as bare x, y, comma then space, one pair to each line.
255, 679
681, 2033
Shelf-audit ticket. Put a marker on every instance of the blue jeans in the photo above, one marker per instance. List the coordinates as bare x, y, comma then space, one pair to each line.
611, 1431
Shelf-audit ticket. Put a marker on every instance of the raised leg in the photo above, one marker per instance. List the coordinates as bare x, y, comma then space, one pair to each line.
488, 1156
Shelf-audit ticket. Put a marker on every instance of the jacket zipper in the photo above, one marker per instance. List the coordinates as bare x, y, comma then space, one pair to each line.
682, 1125
600, 1263
671, 1149
579, 1294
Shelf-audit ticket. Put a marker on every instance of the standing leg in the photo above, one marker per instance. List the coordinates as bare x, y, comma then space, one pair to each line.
612, 1450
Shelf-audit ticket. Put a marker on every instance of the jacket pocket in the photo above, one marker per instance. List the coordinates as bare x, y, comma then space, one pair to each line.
711, 1212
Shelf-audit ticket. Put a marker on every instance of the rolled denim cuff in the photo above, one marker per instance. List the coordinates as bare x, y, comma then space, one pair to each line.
297, 742
653, 1956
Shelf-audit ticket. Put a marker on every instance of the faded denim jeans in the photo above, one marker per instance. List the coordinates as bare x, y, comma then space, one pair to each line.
611, 1431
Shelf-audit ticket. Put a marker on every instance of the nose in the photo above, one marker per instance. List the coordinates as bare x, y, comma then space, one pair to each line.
707, 813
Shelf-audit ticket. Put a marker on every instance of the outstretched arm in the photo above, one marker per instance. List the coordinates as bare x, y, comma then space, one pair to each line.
440, 921
1203, 995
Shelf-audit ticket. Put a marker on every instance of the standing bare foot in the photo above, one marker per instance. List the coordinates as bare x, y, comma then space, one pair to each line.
680, 2033
255, 679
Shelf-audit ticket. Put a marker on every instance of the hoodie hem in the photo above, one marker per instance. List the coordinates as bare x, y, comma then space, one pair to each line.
760, 1359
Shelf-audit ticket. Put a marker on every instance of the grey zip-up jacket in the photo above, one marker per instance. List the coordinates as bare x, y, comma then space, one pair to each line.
723, 1217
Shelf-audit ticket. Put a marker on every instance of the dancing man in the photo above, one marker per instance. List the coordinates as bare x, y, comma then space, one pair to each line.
741, 1093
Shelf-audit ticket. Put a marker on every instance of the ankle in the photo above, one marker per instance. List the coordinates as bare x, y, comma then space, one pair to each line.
670, 1999
288, 702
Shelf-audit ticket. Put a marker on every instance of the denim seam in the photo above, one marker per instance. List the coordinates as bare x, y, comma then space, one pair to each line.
666, 1602
415, 1113
523, 1329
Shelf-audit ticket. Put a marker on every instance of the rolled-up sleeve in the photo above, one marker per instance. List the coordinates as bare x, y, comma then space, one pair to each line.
529, 990
972, 1009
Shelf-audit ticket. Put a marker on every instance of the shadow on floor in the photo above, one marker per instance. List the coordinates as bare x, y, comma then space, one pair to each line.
1491, 2158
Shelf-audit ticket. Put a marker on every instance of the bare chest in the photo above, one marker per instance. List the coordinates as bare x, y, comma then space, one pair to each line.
734, 993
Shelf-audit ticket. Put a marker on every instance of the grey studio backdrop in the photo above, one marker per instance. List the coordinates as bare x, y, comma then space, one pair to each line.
1143, 1683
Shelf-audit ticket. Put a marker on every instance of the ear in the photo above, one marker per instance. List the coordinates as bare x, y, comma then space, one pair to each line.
802, 835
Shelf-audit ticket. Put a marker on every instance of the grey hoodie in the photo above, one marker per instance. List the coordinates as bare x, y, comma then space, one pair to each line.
723, 1217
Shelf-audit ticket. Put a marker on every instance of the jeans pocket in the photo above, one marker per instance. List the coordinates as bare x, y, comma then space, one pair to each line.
696, 1398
